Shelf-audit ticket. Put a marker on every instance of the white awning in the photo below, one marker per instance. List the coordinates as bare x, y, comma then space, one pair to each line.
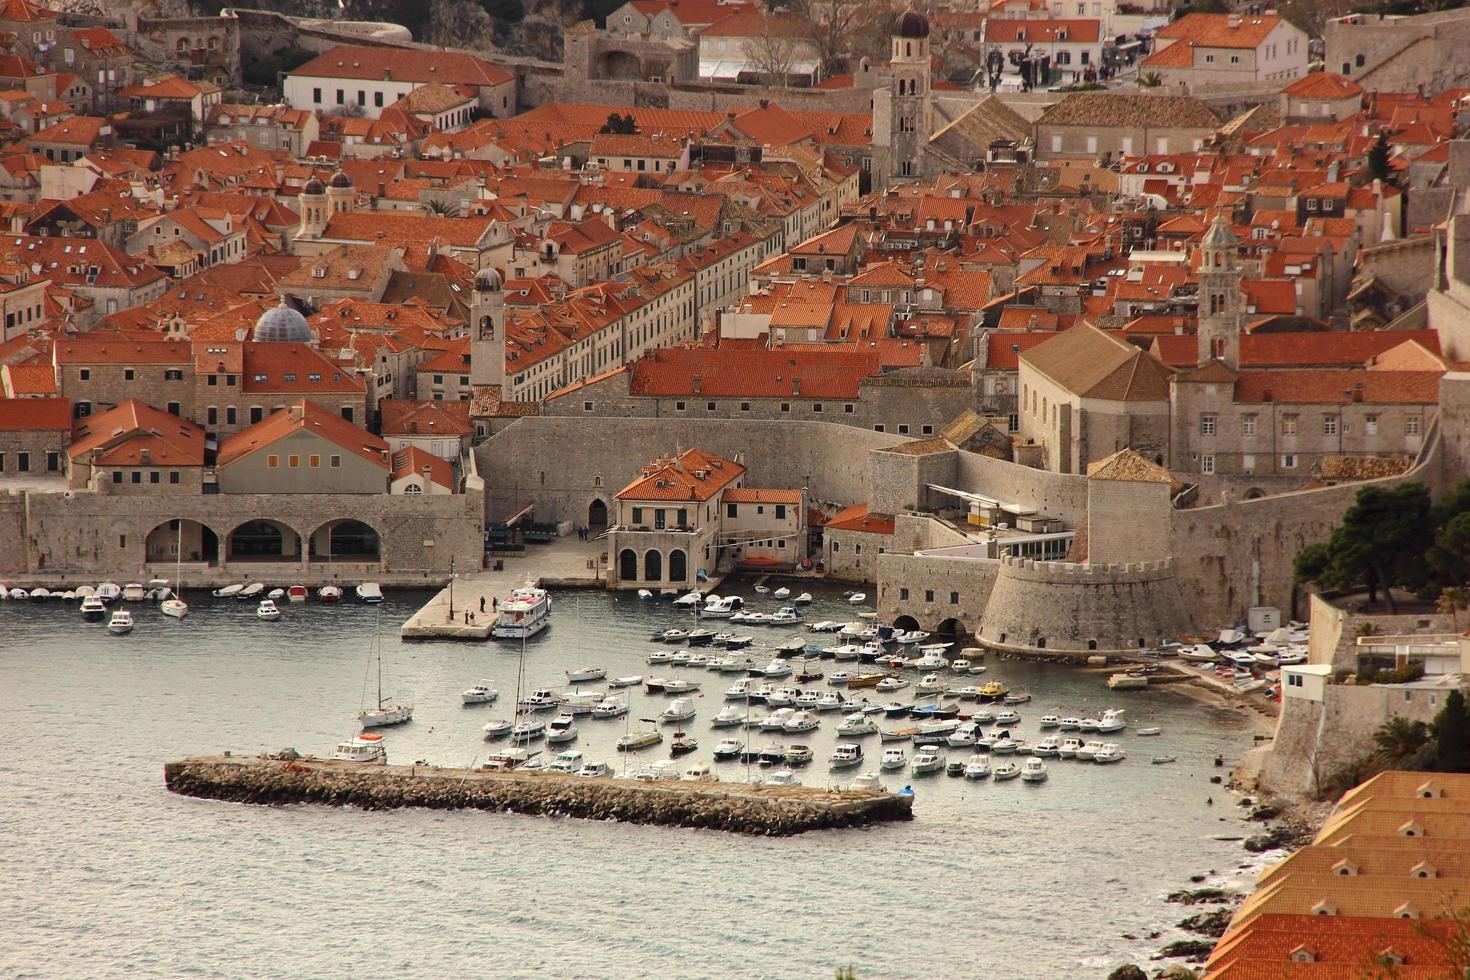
1021, 510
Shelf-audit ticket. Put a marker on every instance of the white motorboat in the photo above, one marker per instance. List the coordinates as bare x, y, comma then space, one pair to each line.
1004, 771
1088, 724
134, 592
679, 709
1007, 717
698, 772
1069, 747
367, 747
782, 593
679, 685
522, 614
329, 594
831, 701
267, 611
1200, 653
720, 608
825, 626
931, 684
781, 697
930, 661
250, 592
482, 693
784, 616
805, 599
892, 683
659, 657
846, 755
1288, 658
927, 759
594, 770
727, 717
1110, 752
645, 595
541, 699
801, 722
120, 623
1049, 747
229, 591
894, 759
568, 761
579, 702
776, 720
1049, 721
108, 592
93, 609
630, 681
838, 678
739, 691
296, 593
612, 706
960, 666
1111, 721
276, 595
1033, 770
856, 724
528, 731
497, 728
858, 598
783, 777
686, 601
1070, 724
977, 766
1089, 750
910, 636
729, 748
370, 593
965, 735
18, 594
777, 668
584, 674
807, 700
868, 782
563, 728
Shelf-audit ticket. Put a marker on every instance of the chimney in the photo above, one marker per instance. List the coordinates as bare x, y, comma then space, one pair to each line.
145, 457
796, 386
1233, 21
698, 381
297, 411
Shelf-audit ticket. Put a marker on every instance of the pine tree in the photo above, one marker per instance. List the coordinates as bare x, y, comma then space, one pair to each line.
1452, 735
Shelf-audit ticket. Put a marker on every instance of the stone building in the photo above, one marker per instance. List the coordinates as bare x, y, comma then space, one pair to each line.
903, 110
135, 449
303, 448
1114, 124
98, 373
34, 433
1228, 48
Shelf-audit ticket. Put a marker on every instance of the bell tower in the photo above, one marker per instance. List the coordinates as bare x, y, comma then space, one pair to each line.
487, 329
1218, 333
911, 103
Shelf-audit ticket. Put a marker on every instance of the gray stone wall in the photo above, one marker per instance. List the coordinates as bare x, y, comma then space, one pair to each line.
853, 556
934, 590
1127, 521
35, 444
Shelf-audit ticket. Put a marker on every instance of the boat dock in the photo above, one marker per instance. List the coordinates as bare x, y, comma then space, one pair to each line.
732, 807
564, 563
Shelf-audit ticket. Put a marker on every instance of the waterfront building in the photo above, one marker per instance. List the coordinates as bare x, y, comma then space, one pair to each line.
303, 448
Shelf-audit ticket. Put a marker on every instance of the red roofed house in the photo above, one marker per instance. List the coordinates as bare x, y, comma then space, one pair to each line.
1211, 48
685, 515
416, 472
135, 448
373, 79
440, 428
34, 433
853, 539
1320, 96
303, 448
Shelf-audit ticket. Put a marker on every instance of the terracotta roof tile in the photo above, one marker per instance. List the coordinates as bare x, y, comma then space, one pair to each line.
20, 414
304, 414
692, 475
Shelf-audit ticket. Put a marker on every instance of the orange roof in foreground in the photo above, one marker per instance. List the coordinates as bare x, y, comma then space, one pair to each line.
692, 475
858, 518
18, 414
756, 495
304, 414
121, 436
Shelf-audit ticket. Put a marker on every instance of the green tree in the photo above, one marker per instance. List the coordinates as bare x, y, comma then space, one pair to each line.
626, 125
1452, 598
1380, 544
1400, 741
1380, 155
1452, 735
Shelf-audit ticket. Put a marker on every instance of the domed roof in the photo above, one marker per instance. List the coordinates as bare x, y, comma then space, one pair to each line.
911, 23
1220, 234
281, 324
339, 179
488, 279
314, 186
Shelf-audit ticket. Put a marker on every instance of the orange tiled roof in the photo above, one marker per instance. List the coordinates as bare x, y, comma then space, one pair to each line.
401, 416
122, 436
858, 518
1339, 387
413, 461
304, 415
403, 65
692, 475
1323, 85
18, 414
757, 495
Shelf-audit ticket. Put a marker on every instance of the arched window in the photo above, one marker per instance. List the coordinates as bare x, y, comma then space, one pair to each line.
487, 328
413, 488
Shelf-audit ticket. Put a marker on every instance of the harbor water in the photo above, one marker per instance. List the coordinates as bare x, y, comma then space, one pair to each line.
104, 873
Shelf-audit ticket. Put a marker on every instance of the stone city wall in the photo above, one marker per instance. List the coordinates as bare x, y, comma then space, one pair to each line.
562, 465
61, 535
935, 590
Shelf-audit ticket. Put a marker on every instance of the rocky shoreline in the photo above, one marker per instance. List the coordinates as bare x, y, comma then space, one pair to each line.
763, 810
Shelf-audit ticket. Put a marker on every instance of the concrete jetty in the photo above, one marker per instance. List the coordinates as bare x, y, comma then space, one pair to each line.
564, 563
733, 807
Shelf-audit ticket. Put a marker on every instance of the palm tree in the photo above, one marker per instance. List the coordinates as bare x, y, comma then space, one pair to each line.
442, 209
1400, 740
1452, 599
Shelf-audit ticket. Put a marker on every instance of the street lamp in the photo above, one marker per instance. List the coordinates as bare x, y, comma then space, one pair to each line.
451, 588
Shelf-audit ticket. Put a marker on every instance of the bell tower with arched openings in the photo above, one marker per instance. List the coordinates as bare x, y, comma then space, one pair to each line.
487, 329
1218, 333
909, 96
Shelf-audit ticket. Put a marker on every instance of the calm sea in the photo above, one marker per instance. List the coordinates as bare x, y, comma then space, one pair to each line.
103, 873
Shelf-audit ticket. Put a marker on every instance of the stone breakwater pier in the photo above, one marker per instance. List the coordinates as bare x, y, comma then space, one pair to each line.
777, 811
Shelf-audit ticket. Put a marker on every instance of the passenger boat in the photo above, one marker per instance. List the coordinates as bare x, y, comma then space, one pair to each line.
772, 755
977, 767
1001, 743
584, 674
846, 755
960, 666
1004, 771
120, 623
563, 728
720, 608
296, 593
329, 594
250, 592
964, 735
838, 677
680, 709
807, 700
93, 609
229, 591
612, 706
1070, 724
367, 747
931, 684
777, 668
739, 691
523, 614
967, 693
1033, 771
481, 693
784, 616
927, 759
954, 767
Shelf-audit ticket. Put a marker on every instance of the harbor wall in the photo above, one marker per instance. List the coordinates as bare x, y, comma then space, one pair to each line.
935, 591
563, 464
48, 537
737, 808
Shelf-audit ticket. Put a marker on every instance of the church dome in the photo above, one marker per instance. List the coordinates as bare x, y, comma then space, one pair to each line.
281, 324
340, 180
488, 279
314, 186
1220, 234
912, 24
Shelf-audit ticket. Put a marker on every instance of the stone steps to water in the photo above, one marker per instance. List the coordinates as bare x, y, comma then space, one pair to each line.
732, 807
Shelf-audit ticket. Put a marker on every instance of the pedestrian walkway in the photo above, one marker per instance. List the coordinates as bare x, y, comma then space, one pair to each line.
564, 563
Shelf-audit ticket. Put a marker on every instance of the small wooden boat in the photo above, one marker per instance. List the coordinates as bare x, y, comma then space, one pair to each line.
1146, 731
682, 745
296, 593
1162, 760
329, 594
898, 734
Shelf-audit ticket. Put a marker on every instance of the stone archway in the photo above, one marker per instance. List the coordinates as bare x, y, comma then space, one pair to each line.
628, 565
346, 539
950, 629
263, 540
678, 566
906, 624
597, 514
653, 565
181, 540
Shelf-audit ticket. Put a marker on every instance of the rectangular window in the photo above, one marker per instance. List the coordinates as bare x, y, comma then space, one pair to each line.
1207, 425
1248, 425
745, 406
256, 414
903, 594
153, 477
785, 406
230, 415
1411, 426
316, 96
730, 510
928, 595
53, 462
817, 408
293, 461
1248, 462
117, 476
314, 461
780, 512
926, 430
137, 476
173, 476
1207, 463
378, 99
271, 462
1370, 425
1288, 461
341, 97
85, 374
173, 374
1329, 425
678, 406
23, 462
637, 515
709, 406
878, 427
903, 428
174, 408
1288, 425
954, 598
847, 409
211, 415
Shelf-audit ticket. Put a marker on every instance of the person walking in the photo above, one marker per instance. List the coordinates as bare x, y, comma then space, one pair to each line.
482, 603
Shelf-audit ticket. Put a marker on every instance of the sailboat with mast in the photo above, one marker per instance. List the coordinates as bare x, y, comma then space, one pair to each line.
174, 606
384, 714
520, 732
